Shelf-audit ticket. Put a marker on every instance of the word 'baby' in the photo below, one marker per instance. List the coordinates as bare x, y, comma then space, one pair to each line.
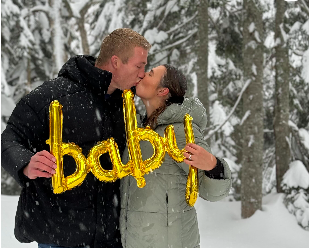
135, 166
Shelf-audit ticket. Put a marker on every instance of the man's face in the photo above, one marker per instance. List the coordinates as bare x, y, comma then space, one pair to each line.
129, 74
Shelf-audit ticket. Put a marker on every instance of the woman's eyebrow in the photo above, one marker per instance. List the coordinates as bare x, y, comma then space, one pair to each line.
152, 71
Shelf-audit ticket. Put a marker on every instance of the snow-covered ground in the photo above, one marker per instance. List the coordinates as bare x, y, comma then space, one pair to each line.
220, 225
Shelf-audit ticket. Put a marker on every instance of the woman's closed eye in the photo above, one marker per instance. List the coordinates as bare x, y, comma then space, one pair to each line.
151, 73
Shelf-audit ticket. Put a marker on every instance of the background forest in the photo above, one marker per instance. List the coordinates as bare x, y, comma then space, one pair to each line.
247, 61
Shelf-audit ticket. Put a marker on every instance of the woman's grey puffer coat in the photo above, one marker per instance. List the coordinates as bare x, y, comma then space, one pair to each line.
157, 215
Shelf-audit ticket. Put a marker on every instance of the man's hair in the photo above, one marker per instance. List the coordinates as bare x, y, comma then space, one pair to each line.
121, 42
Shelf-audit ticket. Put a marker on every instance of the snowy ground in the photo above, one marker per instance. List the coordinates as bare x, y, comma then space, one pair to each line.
220, 225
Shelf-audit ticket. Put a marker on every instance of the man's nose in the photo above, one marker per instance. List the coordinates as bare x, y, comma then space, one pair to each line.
141, 74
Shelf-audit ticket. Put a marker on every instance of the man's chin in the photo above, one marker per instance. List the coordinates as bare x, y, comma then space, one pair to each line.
133, 88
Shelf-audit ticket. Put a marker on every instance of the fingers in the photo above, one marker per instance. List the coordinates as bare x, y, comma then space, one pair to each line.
47, 155
188, 162
43, 174
193, 146
187, 156
42, 164
189, 149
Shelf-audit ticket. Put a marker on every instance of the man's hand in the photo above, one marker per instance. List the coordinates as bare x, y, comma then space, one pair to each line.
42, 164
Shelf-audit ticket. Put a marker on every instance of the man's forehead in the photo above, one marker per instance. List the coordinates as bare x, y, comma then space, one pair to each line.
140, 54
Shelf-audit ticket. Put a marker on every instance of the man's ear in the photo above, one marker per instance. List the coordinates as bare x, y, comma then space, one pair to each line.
115, 61
163, 92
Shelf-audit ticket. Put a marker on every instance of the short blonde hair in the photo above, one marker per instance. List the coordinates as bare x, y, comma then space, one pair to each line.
121, 42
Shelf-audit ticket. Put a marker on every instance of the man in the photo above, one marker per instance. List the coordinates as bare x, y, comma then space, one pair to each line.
91, 95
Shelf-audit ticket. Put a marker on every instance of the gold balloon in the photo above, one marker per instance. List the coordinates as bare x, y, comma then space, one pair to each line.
192, 181
135, 166
81, 172
118, 171
171, 146
59, 149
177, 154
134, 136
54, 141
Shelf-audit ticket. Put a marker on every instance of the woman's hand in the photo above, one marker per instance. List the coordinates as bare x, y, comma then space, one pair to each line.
198, 157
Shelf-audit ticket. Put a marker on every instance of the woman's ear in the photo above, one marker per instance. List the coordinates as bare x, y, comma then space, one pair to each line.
163, 91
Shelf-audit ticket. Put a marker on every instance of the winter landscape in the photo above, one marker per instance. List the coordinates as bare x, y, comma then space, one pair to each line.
246, 60
220, 225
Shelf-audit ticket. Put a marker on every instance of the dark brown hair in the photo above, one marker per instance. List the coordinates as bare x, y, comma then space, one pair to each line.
176, 82
121, 42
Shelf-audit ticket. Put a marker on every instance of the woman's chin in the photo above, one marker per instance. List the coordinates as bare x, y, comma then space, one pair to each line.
137, 92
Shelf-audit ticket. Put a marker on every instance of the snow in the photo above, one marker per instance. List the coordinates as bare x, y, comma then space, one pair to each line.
296, 26
305, 71
155, 36
304, 134
76, 6
171, 7
306, 27
58, 39
283, 33
233, 166
296, 176
251, 140
245, 117
251, 27
254, 69
220, 225
194, 81
218, 116
214, 61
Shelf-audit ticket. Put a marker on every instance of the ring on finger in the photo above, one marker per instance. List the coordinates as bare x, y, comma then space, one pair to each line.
190, 157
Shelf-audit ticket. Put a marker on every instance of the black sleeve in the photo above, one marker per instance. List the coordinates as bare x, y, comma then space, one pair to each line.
19, 140
217, 172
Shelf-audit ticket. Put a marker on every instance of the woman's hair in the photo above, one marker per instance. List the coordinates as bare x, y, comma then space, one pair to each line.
121, 42
176, 82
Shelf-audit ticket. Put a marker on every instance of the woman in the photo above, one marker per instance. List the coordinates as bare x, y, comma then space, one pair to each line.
158, 215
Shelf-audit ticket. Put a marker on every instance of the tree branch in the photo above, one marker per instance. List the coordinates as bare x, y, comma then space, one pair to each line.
165, 16
68, 6
214, 25
211, 133
304, 5
44, 9
177, 42
181, 25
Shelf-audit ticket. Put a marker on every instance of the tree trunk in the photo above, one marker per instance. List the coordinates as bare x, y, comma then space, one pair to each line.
29, 72
202, 56
82, 30
281, 127
251, 182
83, 36
57, 35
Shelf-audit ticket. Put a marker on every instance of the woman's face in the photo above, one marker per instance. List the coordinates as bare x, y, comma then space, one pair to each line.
149, 86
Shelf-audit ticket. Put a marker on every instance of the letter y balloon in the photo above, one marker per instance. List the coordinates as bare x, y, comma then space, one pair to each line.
135, 166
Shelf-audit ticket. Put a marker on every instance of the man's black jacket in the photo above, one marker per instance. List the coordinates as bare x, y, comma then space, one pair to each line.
87, 214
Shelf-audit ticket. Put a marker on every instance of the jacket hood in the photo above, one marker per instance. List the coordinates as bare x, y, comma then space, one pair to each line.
81, 69
176, 112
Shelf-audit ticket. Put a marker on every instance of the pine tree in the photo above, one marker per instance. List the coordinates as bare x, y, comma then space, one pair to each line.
202, 56
251, 181
281, 126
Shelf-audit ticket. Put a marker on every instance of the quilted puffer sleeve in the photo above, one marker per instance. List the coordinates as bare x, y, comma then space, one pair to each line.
22, 131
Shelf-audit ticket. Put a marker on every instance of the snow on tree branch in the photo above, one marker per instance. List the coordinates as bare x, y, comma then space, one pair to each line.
211, 133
